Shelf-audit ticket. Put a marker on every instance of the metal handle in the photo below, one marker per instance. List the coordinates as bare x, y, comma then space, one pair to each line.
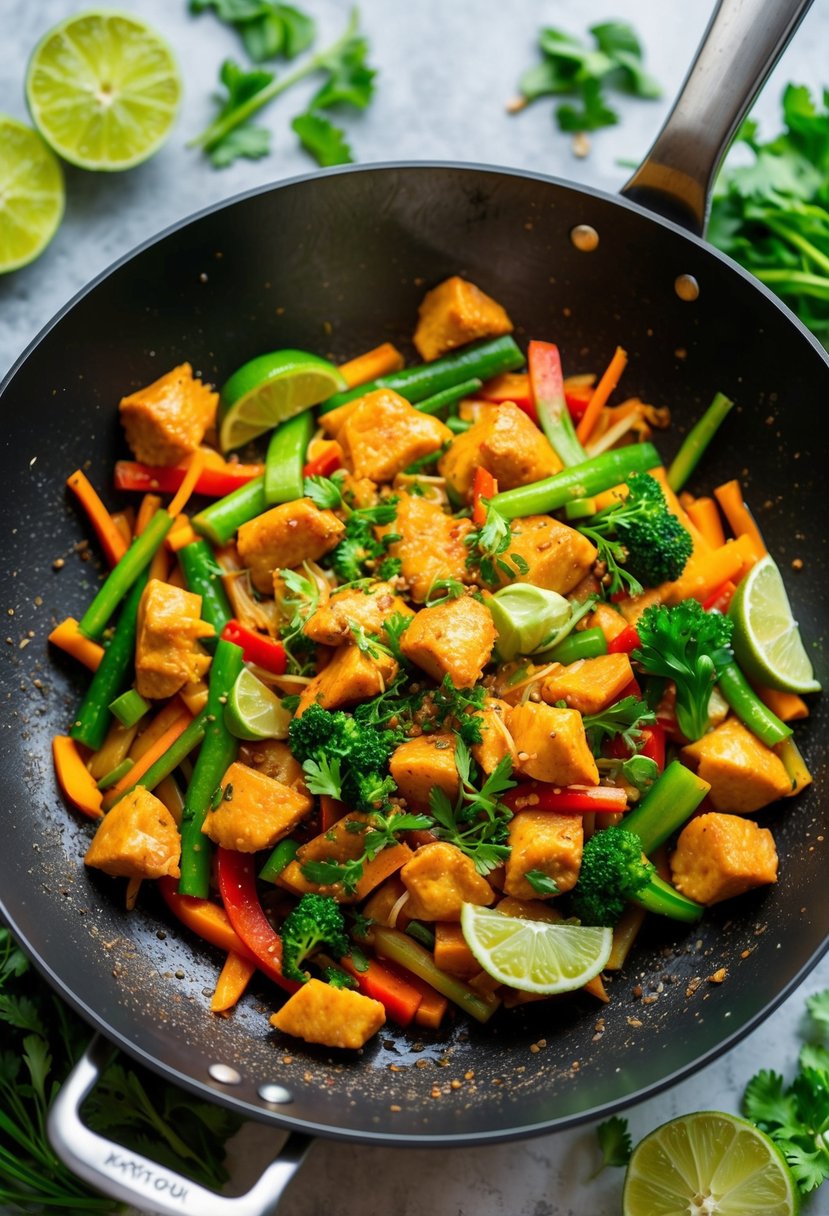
131, 1178
741, 45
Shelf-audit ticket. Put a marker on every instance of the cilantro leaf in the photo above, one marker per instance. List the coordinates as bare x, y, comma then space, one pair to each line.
350, 80
541, 883
478, 822
324, 776
243, 140
614, 1142
818, 1009
326, 143
249, 142
324, 492
267, 29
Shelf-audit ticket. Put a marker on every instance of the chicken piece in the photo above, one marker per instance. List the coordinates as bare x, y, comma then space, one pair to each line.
451, 951
384, 434
609, 619
440, 879
589, 685
284, 537
344, 841
166, 421
138, 838
557, 556
719, 856
454, 313
367, 606
275, 759
543, 841
348, 678
505, 442
334, 1017
167, 651
423, 764
255, 811
431, 545
496, 741
743, 773
453, 638
552, 745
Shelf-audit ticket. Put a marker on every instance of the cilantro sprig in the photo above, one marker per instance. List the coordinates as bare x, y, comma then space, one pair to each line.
477, 822
268, 30
488, 547
381, 832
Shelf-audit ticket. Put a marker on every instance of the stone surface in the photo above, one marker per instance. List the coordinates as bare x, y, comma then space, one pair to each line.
447, 71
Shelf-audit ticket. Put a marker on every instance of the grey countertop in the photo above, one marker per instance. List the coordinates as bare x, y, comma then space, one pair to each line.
446, 72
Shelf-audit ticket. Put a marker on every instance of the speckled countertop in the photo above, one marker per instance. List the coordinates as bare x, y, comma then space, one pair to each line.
447, 71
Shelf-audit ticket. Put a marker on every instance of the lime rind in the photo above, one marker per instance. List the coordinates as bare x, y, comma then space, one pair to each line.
253, 711
32, 194
270, 389
767, 641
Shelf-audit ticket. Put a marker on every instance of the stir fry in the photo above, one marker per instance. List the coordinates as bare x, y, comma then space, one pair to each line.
426, 704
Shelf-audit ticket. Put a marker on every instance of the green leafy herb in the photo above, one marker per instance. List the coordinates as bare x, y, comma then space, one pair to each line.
478, 822
614, 1143
323, 776
324, 492
487, 546
248, 141
381, 832
624, 719
297, 607
541, 883
444, 589
268, 30
360, 553
458, 707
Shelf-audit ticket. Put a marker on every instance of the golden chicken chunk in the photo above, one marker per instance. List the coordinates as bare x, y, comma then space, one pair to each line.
370, 607
546, 842
255, 811
138, 838
505, 442
557, 556
743, 773
496, 741
453, 638
719, 856
420, 765
454, 313
384, 434
431, 545
552, 745
275, 759
167, 651
440, 879
334, 1017
166, 421
349, 677
589, 685
285, 537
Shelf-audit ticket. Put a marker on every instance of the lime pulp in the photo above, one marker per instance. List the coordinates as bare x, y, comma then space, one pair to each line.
31, 194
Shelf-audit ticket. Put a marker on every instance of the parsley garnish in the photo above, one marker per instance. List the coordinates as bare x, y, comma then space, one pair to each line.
541, 883
380, 833
487, 546
477, 824
614, 1142
298, 607
267, 29
624, 719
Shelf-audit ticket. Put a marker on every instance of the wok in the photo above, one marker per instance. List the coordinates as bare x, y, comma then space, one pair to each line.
337, 262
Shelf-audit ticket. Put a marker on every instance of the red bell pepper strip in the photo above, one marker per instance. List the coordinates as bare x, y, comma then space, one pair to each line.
212, 482
236, 876
719, 600
540, 796
324, 464
256, 648
631, 689
547, 388
577, 403
484, 488
624, 642
653, 745
203, 917
399, 998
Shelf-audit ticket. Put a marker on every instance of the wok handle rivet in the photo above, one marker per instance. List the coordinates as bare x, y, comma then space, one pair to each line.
686, 287
224, 1074
584, 237
274, 1094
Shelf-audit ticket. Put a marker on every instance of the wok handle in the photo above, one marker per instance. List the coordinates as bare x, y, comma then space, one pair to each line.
742, 43
133, 1179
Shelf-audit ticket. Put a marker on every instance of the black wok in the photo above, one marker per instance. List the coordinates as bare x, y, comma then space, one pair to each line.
336, 263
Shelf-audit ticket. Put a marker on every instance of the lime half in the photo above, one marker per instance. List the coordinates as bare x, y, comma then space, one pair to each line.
254, 711
31, 194
708, 1164
533, 955
270, 389
767, 641
103, 89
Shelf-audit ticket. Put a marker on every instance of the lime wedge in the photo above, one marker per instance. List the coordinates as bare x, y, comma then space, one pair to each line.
254, 711
532, 955
31, 194
767, 642
270, 389
103, 89
708, 1164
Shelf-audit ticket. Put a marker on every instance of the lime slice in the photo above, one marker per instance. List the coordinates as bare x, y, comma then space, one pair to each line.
271, 388
767, 642
254, 711
533, 955
708, 1164
31, 194
103, 89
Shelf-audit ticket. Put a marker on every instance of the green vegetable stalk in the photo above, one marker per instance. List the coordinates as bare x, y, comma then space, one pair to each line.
219, 522
121, 578
203, 576
580, 481
285, 458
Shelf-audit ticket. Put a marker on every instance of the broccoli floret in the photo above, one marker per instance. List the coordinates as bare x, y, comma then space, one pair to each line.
613, 871
354, 756
317, 920
641, 542
690, 646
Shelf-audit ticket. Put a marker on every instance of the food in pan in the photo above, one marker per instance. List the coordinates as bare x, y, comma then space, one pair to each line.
431, 707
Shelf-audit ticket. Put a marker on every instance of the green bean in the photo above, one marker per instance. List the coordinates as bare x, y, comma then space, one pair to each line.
203, 576
286, 457
219, 521
130, 707
119, 580
282, 856
748, 707
115, 774
431, 405
696, 441
458, 425
585, 644
580, 481
216, 753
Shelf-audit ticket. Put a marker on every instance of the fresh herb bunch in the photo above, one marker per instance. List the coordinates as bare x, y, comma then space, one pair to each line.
268, 30
478, 822
487, 547
360, 553
379, 832
297, 606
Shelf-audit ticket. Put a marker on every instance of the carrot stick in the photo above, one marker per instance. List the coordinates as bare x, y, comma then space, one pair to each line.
234, 978
124, 521
180, 534
330, 811
188, 485
374, 363
150, 503
399, 997
68, 637
133, 777
708, 570
158, 726
202, 916
74, 779
730, 497
601, 393
624, 935
787, 705
159, 565
112, 542
704, 514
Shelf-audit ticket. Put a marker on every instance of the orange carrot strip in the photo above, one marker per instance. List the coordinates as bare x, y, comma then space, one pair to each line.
74, 779
624, 935
234, 978
160, 565
709, 569
112, 542
150, 503
188, 485
374, 363
208, 920
68, 637
124, 521
180, 534
147, 760
730, 497
601, 393
788, 706
676, 508
705, 515
156, 727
